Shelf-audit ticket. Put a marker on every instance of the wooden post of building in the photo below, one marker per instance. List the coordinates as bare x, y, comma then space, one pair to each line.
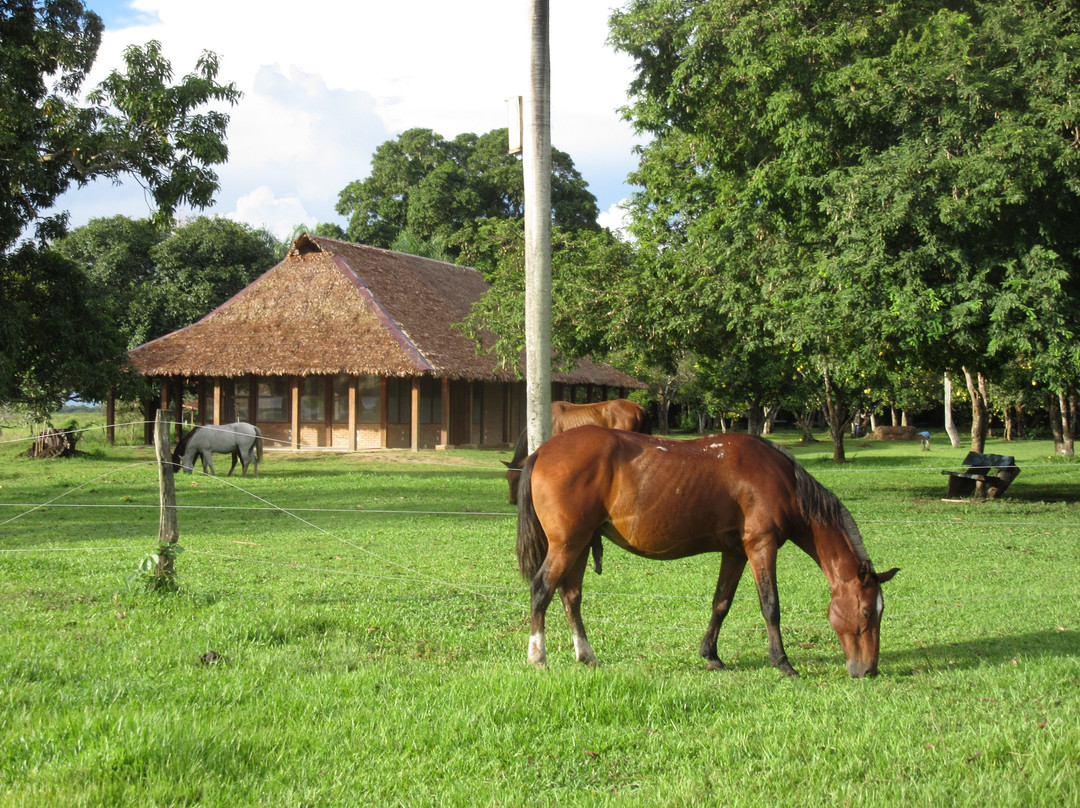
168, 531
354, 398
414, 417
444, 412
294, 398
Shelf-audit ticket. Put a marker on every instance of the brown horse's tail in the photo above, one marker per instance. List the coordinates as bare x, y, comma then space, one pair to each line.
532, 542
646, 422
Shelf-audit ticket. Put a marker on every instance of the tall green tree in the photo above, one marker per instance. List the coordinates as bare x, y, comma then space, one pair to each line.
427, 188
136, 124
156, 280
854, 182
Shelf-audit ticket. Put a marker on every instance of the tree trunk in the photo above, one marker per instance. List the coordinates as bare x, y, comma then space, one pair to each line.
770, 418
755, 419
980, 418
837, 420
1010, 423
1067, 426
805, 425
663, 413
950, 425
1053, 405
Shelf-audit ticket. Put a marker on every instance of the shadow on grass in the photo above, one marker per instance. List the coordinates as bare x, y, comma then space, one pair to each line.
985, 651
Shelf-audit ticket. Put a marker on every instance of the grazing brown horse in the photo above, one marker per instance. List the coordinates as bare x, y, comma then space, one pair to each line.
733, 494
618, 413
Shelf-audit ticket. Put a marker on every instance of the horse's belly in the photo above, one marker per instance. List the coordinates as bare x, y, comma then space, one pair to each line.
672, 540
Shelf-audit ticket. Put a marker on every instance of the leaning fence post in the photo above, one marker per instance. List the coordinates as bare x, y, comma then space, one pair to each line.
168, 532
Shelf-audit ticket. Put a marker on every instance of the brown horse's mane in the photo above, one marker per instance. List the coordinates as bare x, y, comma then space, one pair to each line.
821, 505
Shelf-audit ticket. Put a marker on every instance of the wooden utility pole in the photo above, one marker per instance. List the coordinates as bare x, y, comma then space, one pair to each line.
168, 531
536, 161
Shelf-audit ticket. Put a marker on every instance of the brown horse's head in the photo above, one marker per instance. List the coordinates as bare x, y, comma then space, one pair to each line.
513, 477
513, 468
855, 615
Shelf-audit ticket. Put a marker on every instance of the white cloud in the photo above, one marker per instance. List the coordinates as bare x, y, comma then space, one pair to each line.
261, 208
615, 219
327, 82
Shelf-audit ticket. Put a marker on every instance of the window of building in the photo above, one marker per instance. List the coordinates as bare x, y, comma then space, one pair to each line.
398, 401
241, 399
340, 393
430, 401
272, 401
369, 392
313, 398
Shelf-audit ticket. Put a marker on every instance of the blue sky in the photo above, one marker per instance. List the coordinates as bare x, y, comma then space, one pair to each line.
326, 82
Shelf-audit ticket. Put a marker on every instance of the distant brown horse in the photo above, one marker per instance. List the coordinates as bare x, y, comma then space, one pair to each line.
618, 413
734, 494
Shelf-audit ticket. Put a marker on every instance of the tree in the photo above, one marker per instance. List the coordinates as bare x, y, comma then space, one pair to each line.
430, 188
592, 292
861, 182
114, 255
134, 124
156, 280
202, 264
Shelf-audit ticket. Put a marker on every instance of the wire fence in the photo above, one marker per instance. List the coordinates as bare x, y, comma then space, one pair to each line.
410, 574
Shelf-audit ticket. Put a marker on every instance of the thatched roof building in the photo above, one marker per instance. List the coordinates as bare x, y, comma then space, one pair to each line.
351, 346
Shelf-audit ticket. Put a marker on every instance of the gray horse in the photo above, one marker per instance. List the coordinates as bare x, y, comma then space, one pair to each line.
243, 441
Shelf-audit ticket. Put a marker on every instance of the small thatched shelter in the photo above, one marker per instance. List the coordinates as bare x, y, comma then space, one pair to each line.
347, 346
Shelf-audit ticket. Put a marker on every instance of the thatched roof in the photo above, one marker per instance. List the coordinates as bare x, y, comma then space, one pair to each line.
333, 307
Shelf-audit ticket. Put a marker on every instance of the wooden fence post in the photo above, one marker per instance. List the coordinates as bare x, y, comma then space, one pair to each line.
168, 531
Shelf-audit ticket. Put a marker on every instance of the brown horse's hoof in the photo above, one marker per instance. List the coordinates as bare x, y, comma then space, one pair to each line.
715, 665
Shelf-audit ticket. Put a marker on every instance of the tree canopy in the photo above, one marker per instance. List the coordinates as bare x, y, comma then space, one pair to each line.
424, 189
135, 124
864, 186
161, 279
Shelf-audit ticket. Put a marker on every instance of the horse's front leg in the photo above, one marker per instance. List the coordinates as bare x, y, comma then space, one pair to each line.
570, 592
208, 462
731, 570
763, 565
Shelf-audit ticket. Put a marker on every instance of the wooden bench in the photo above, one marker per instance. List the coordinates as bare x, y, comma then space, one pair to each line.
977, 480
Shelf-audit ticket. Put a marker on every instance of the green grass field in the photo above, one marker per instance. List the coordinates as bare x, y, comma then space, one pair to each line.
351, 630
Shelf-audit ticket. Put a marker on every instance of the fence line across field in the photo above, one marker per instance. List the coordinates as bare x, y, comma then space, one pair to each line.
846, 468
420, 576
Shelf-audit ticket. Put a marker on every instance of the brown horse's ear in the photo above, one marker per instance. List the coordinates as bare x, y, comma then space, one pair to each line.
506, 463
885, 576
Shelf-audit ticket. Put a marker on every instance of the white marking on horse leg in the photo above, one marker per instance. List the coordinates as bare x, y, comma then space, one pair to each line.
537, 655
583, 650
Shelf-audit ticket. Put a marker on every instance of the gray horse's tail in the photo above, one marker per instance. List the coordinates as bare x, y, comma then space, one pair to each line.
258, 443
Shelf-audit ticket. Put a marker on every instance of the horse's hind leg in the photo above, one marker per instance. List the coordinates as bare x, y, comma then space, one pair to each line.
570, 592
731, 570
557, 565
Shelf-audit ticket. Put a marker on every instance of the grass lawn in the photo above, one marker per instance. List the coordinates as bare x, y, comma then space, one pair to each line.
351, 630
